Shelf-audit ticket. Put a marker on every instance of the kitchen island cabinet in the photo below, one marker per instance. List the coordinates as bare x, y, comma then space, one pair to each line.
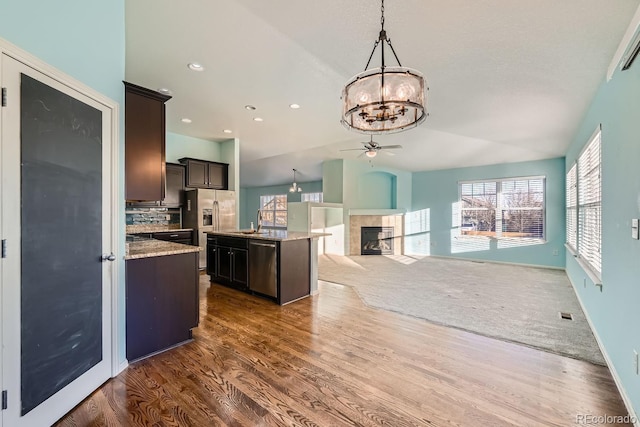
227, 261
285, 274
161, 296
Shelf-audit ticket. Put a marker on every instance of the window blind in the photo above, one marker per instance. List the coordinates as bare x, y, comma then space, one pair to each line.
572, 207
590, 203
507, 208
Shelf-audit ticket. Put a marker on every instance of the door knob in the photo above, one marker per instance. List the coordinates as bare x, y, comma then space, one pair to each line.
110, 257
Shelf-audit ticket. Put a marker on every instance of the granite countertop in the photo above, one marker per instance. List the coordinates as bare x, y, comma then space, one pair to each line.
278, 235
146, 248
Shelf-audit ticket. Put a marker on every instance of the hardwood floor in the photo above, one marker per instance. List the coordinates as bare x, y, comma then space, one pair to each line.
330, 360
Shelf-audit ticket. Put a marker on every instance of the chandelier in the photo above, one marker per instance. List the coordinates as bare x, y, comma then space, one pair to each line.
294, 187
385, 99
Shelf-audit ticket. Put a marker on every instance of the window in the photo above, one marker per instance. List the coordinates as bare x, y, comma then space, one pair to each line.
572, 207
274, 210
584, 205
312, 197
512, 208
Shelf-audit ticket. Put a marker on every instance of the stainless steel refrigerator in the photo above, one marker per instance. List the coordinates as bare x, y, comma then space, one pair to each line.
209, 210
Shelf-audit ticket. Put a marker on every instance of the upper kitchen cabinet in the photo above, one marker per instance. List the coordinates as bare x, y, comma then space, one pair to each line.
144, 143
205, 174
175, 178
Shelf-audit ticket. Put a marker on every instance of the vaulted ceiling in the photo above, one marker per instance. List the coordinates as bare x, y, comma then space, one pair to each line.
509, 80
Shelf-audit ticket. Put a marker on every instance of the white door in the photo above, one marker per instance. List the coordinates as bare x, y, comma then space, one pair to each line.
56, 225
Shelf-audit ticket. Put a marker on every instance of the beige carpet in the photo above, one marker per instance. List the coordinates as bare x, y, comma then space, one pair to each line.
509, 302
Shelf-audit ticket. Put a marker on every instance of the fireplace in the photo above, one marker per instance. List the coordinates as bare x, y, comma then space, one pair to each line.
376, 240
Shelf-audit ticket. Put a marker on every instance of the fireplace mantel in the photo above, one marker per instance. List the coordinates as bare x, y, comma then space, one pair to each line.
377, 212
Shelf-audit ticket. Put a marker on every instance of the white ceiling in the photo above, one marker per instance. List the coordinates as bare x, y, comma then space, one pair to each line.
509, 80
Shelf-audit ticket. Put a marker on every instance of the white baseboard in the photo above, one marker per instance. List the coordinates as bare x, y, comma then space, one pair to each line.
121, 367
607, 359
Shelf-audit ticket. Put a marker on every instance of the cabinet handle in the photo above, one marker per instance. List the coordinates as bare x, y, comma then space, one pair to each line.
173, 235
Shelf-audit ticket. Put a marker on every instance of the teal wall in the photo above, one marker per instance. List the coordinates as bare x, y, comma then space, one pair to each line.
84, 39
179, 146
332, 181
377, 187
435, 198
614, 309
250, 198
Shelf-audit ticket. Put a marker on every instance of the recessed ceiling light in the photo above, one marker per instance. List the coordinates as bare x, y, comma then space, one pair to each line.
227, 131
165, 91
294, 106
249, 107
186, 120
195, 66
257, 119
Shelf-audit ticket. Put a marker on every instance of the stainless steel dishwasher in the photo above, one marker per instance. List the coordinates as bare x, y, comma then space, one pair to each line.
263, 257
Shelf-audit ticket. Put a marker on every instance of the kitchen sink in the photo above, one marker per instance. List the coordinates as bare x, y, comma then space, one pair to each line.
251, 232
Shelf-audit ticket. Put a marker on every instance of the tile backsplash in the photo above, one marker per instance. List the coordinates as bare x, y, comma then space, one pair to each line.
153, 216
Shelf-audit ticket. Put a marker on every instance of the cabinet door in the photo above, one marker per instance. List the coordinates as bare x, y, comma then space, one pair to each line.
174, 196
173, 236
212, 261
197, 174
240, 267
224, 263
218, 176
144, 143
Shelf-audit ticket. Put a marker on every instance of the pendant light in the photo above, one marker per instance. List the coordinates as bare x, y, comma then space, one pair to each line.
385, 99
294, 187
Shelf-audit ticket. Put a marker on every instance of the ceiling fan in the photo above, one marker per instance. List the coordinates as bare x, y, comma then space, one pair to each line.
371, 148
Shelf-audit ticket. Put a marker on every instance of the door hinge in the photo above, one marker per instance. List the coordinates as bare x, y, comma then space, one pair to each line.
4, 248
4, 96
4, 399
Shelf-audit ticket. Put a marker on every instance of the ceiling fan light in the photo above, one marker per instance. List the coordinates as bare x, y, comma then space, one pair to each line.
371, 153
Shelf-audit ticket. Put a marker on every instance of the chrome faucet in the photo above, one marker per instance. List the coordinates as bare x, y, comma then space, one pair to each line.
259, 220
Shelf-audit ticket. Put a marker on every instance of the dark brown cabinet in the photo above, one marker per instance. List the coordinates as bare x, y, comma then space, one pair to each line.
205, 174
144, 143
161, 303
231, 262
184, 237
174, 196
227, 261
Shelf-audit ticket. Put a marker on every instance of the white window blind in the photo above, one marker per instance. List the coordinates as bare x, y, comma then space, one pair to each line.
312, 197
572, 207
274, 210
590, 204
507, 208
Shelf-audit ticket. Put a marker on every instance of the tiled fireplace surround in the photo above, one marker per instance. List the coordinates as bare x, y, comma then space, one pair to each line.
357, 221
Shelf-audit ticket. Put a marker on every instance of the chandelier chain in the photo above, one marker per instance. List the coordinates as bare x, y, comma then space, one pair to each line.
382, 14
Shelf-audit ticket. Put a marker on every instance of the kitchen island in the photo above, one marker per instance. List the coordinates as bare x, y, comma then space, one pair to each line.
161, 295
277, 264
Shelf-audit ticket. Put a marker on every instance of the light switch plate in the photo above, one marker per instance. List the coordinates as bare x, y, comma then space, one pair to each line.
635, 232
634, 223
